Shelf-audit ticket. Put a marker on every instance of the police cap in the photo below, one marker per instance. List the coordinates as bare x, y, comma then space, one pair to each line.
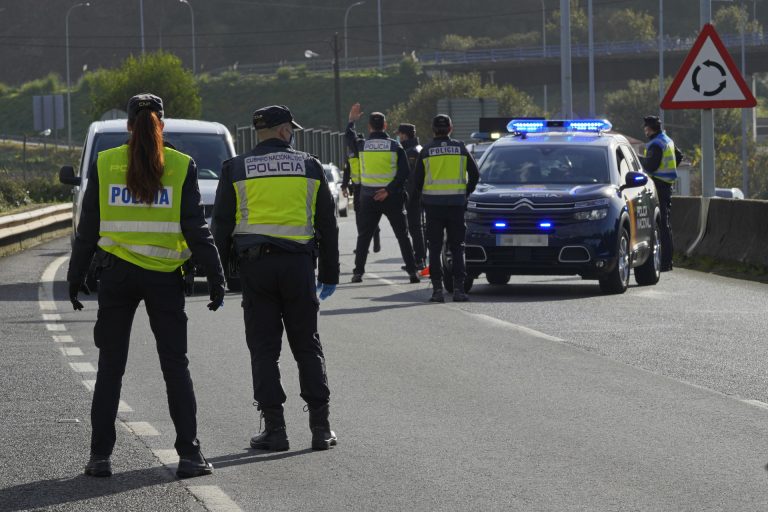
441, 121
145, 101
407, 129
273, 115
652, 122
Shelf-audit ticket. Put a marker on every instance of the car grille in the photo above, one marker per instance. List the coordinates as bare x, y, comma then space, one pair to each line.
522, 205
525, 221
533, 255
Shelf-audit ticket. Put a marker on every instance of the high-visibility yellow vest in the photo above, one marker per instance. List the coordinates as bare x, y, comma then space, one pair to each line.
378, 163
354, 169
147, 235
667, 171
445, 171
276, 198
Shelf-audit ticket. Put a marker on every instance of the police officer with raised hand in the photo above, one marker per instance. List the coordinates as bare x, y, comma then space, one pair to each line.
407, 135
660, 162
446, 174
142, 209
351, 183
274, 203
384, 171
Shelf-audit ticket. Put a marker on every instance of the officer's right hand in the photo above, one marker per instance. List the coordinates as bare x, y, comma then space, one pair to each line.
216, 290
74, 288
326, 290
355, 113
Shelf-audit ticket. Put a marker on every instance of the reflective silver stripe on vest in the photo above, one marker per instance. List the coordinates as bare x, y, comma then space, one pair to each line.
243, 193
274, 230
443, 193
125, 226
311, 186
147, 250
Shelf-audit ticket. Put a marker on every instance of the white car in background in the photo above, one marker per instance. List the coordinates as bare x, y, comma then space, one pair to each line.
333, 175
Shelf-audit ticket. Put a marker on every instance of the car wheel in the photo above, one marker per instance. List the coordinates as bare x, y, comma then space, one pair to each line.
497, 278
343, 212
617, 279
648, 273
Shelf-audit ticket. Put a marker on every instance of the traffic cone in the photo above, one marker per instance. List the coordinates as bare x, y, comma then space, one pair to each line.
425, 272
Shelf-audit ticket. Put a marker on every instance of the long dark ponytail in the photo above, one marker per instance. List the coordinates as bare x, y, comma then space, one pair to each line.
145, 156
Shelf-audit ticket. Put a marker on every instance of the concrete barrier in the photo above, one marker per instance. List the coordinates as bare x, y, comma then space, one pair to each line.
737, 231
685, 221
23, 230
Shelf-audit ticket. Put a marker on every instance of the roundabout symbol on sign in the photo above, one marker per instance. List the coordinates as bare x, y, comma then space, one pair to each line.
695, 78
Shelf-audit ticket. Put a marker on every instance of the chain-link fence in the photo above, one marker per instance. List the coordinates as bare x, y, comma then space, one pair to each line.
327, 146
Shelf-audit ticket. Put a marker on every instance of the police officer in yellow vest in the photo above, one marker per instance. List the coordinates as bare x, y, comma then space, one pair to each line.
351, 183
660, 162
446, 174
142, 208
275, 204
384, 171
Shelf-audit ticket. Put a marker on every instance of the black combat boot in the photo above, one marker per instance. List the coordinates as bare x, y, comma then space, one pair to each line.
459, 295
437, 293
274, 437
194, 465
322, 435
99, 466
413, 277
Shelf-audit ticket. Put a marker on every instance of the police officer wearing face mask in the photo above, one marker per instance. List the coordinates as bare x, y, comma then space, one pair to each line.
407, 135
275, 204
142, 208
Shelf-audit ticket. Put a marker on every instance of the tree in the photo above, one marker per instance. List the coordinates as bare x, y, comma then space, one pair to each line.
731, 19
159, 73
625, 24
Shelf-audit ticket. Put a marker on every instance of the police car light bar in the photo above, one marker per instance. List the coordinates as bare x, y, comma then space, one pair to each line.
569, 125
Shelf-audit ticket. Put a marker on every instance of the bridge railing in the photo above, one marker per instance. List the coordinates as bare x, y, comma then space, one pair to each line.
328, 146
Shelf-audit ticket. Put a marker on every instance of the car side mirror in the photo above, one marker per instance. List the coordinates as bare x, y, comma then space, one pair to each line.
634, 180
67, 176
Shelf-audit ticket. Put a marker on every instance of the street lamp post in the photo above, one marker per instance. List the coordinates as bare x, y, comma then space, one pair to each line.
381, 54
566, 78
69, 87
544, 46
141, 24
192, 13
591, 45
346, 15
661, 58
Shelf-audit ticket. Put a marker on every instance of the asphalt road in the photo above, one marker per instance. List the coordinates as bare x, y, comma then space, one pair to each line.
539, 395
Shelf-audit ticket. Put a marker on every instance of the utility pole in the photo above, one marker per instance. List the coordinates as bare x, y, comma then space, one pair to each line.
707, 125
661, 58
591, 45
744, 112
336, 80
381, 45
141, 24
566, 77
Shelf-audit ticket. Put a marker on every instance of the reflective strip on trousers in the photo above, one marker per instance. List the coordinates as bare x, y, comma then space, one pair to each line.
148, 250
127, 226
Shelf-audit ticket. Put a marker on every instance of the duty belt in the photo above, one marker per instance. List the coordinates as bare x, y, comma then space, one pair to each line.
257, 251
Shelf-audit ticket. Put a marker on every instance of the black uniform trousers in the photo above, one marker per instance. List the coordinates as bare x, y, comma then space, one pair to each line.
416, 228
121, 288
279, 293
665, 229
358, 218
370, 215
448, 220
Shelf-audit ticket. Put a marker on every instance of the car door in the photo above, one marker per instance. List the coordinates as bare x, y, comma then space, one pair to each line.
641, 204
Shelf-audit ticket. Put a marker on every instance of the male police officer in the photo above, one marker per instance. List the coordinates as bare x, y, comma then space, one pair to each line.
351, 181
384, 171
275, 203
446, 174
407, 135
660, 162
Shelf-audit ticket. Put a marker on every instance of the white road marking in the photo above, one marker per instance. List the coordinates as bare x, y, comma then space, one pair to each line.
167, 457
82, 367
51, 317
214, 498
47, 305
65, 338
141, 428
89, 384
71, 351
56, 327
45, 292
124, 407
756, 403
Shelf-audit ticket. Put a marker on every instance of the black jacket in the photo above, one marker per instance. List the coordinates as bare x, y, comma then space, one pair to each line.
326, 230
412, 149
193, 227
473, 175
397, 185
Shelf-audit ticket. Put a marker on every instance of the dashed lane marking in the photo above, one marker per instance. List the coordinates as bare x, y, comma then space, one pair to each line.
56, 327
71, 351
45, 292
89, 384
124, 407
214, 498
167, 458
65, 338
51, 317
756, 403
141, 428
82, 367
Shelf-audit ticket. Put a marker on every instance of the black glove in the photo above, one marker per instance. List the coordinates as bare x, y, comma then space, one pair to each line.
74, 288
216, 290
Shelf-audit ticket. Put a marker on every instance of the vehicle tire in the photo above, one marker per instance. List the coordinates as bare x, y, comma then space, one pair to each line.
447, 263
189, 284
648, 273
617, 280
343, 212
497, 278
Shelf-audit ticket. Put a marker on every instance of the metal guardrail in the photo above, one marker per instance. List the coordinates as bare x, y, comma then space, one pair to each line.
22, 230
441, 57
328, 146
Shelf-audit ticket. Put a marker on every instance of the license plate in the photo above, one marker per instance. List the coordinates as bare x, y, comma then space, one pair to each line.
522, 240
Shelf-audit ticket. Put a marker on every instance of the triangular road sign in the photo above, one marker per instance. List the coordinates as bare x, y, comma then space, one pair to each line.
708, 78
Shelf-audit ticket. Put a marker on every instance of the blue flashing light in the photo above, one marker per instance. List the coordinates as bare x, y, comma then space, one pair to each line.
545, 224
588, 125
527, 126
639, 178
501, 225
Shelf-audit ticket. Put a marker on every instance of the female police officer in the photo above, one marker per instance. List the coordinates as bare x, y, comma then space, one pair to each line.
141, 207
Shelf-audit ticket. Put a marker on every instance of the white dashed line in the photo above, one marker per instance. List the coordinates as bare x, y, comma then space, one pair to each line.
214, 498
141, 428
51, 317
56, 327
82, 367
71, 351
756, 403
124, 407
45, 293
66, 338
89, 384
167, 457
47, 305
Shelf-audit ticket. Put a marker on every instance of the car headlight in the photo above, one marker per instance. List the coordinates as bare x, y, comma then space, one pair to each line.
469, 215
596, 214
593, 203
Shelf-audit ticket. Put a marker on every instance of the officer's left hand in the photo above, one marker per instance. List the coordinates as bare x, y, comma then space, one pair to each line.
217, 295
326, 290
381, 194
74, 289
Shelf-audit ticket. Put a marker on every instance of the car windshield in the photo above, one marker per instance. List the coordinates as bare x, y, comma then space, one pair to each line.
208, 150
539, 164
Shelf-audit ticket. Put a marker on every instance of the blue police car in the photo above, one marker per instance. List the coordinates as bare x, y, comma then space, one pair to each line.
562, 198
